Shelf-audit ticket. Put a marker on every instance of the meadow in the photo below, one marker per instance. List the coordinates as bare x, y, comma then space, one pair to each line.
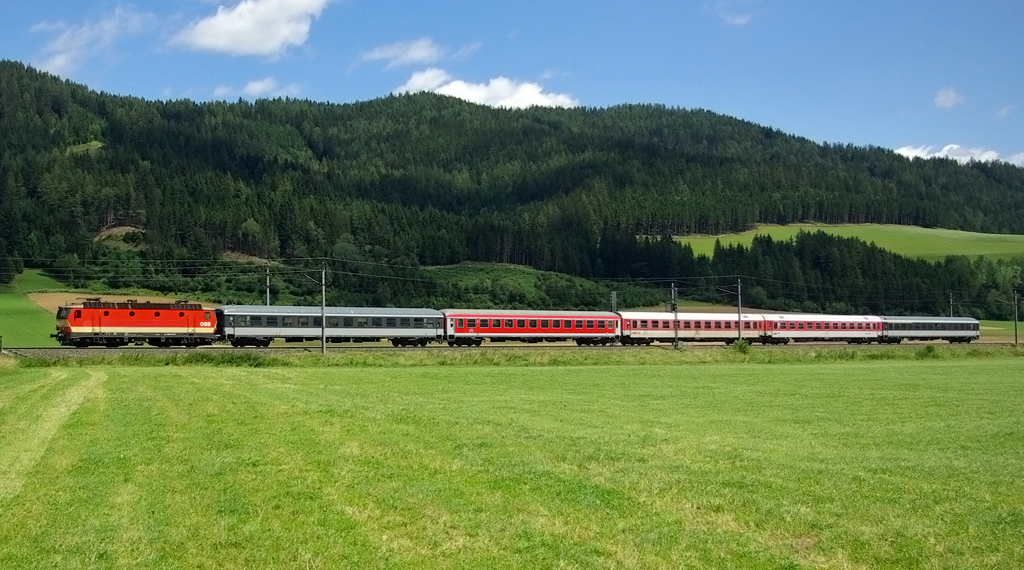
867, 464
931, 244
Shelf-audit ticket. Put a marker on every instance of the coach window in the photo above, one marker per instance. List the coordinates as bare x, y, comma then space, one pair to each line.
417, 322
460, 323
377, 322
533, 323
800, 326
556, 324
746, 326
471, 323
590, 324
391, 322
331, 321
718, 324
317, 322
654, 324
686, 325
545, 324
579, 324
860, 326
345, 321
696, 324
643, 324
600, 325
256, 321
520, 323
483, 323
288, 321
707, 324
508, 323
361, 322
304, 322
817, 326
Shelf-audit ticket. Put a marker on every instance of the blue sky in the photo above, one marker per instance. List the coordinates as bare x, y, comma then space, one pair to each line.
924, 77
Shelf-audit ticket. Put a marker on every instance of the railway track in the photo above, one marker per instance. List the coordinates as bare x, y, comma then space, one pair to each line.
56, 352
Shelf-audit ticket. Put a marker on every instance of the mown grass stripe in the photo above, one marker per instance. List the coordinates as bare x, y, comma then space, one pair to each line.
20, 453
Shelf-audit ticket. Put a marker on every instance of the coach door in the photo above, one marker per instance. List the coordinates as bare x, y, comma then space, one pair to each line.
451, 329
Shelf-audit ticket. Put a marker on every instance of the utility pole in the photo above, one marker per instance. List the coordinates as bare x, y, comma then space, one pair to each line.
951, 304
615, 302
268, 286
739, 308
675, 319
323, 310
1015, 317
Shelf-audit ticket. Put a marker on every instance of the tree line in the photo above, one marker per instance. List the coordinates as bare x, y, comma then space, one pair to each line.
424, 180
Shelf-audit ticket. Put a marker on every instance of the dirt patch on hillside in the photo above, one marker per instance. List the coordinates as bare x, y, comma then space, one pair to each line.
50, 301
117, 232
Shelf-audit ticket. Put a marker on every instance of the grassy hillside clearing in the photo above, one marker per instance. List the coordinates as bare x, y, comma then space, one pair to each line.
896, 465
910, 241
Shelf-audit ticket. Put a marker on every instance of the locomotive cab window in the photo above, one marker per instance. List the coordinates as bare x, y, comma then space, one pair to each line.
78, 314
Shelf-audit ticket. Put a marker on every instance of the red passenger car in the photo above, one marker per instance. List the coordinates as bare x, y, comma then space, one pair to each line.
465, 327
99, 323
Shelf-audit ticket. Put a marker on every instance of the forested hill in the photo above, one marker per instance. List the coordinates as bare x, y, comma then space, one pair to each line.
425, 179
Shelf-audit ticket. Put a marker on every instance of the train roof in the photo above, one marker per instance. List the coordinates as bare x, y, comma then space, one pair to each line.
333, 311
136, 305
655, 316
815, 317
530, 313
905, 319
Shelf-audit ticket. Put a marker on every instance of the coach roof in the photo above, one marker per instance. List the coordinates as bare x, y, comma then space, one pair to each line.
333, 311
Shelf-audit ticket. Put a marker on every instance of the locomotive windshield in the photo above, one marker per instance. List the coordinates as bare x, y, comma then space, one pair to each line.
62, 313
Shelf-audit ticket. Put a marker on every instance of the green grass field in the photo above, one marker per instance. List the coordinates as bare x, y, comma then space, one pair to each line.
911, 241
22, 322
911, 464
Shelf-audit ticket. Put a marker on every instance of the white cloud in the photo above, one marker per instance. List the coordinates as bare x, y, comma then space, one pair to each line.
948, 97
1017, 159
953, 151
498, 92
1005, 111
263, 28
267, 87
423, 50
76, 44
735, 13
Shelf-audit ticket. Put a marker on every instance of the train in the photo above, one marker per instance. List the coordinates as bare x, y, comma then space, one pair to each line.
98, 323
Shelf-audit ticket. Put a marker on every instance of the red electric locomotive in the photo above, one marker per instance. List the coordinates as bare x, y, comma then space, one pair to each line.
99, 323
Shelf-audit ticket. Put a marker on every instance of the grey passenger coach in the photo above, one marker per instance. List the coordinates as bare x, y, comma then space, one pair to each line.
952, 329
258, 325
